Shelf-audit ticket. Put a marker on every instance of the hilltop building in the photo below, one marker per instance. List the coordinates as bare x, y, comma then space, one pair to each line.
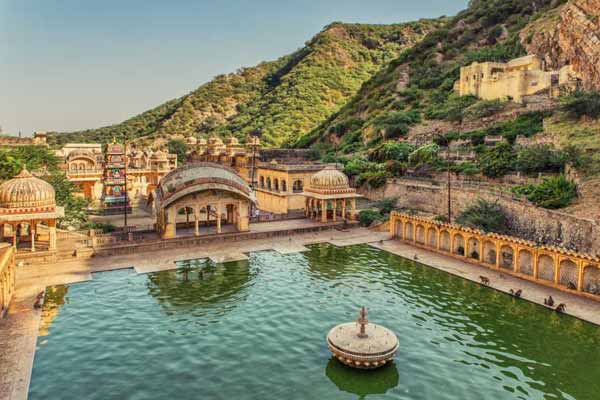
516, 79
38, 139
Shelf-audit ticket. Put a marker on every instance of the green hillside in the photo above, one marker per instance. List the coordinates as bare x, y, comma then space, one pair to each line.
383, 109
285, 98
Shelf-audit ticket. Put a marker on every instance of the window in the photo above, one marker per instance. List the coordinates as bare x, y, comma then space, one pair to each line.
269, 183
298, 186
262, 181
283, 185
276, 184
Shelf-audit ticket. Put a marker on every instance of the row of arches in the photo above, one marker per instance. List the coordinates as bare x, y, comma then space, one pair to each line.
278, 185
513, 256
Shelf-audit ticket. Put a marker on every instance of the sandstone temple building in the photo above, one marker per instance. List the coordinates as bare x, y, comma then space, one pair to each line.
514, 80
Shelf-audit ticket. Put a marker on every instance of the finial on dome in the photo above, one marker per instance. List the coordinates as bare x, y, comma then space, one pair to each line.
24, 173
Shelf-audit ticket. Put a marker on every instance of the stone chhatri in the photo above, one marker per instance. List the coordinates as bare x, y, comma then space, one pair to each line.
26, 191
362, 344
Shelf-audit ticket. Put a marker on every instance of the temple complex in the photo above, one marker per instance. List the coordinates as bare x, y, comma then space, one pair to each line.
28, 213
516, 79
329, 196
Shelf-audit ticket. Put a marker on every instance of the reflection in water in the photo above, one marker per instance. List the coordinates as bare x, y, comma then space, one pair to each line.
228, 331
362, 382
55, 297
201, 283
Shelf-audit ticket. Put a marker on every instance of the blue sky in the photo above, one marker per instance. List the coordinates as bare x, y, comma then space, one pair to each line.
72, 64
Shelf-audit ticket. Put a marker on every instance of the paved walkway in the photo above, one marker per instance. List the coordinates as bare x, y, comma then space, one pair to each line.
18, 331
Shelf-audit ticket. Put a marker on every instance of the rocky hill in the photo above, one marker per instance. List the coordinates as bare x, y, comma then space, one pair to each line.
569, 34
285, 98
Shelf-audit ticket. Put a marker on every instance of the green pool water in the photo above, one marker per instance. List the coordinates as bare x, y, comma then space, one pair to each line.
256, 330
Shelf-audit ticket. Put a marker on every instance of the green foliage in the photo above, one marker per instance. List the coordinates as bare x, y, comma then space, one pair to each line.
424, 155
539, 158
580, 104
374, 179
179, 147
357, 165
286, 98
396, 124
486, 216
391, 151
555, 192
452, 108
105, 227
367, 217
386, 206
484, 108
497, 161
465, 168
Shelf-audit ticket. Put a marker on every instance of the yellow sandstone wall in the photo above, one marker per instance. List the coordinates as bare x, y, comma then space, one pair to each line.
552, 266
7, 277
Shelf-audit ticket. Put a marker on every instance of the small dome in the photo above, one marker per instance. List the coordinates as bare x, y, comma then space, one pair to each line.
26, 191
329, 178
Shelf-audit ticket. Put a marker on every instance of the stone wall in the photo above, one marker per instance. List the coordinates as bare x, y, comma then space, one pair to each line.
7, 277
527, 221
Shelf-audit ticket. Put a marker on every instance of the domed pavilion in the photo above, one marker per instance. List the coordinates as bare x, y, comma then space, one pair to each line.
329, 196
28, 207
213, 194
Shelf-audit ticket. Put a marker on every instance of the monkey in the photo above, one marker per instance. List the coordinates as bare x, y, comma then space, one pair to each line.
517, 294
549, 301
561, 308
484, 280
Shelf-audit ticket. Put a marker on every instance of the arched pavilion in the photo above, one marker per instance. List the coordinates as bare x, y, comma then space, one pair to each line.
210, 192
28, 207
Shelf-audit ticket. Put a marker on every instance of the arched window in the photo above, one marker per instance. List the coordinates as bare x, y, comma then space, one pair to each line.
262, 181
283, 185
298, 186
276, 184
269, 183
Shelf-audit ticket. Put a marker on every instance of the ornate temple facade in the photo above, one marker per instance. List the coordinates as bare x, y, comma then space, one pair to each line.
28, 213
86, 166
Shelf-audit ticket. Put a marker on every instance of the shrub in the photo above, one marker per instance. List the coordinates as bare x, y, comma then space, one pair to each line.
452, 109
367, 217
424, 155
580, 103
391, 151
386, 206
497, 161
105, 227
396, 168
539, 158
357, 165
555, 192
375, 179
486, 216
484, 108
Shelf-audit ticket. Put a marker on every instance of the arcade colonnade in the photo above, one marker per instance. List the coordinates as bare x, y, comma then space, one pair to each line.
205, 209
320, 209
551, 266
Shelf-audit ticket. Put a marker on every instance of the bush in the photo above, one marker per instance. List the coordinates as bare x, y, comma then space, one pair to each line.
179, 147
486, 216
375, 179
391, 151
539, 158
453, 109
105, 227
484, 108
580, 103
367, 217
497, 161
386, 206
555, 192
357, 165
424, 155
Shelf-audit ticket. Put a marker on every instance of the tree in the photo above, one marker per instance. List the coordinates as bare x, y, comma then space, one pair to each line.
486, 216
580, 103
497, 161
179, 147
555, 192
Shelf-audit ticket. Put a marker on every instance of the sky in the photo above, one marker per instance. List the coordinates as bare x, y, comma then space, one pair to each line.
70, 64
